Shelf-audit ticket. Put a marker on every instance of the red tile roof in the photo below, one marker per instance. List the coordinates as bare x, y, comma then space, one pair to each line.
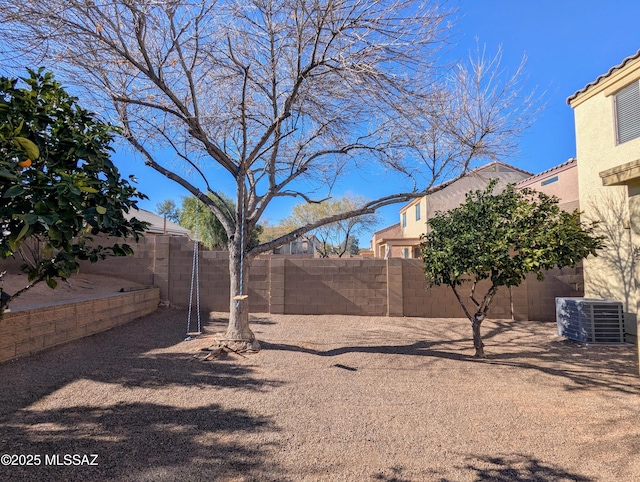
560, 167
604, 76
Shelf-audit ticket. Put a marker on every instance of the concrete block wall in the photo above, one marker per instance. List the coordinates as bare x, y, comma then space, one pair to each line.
139, 268
441, 302
565, 282
277, 276
293, 285
335, 286
25, 332
395, 287
175, 266
259, 285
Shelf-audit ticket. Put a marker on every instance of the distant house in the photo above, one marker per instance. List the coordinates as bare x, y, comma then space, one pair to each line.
389, 243
402, 240
304, 245
560, 181
607, 127
158, 224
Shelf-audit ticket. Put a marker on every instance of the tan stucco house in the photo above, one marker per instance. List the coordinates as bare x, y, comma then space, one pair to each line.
402, 240
560, 181
607, 127
304, 245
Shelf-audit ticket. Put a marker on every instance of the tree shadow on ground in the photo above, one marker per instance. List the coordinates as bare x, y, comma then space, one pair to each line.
501, 468
518, 468
393, 474
135, 440
138, 441
260, 320
610, 368
129, 355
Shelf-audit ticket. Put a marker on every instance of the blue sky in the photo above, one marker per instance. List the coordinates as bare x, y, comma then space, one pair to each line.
567, 43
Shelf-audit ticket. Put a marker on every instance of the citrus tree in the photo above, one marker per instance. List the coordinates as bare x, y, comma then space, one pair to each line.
57, 184
501, 238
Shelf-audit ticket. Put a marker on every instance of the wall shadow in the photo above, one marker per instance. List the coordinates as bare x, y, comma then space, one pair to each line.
613, 274
121, 356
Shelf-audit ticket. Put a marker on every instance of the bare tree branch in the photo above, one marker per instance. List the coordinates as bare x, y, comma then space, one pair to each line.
278, 98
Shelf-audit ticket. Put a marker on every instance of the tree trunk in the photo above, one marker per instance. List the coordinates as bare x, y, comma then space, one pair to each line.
478, 318
239, 335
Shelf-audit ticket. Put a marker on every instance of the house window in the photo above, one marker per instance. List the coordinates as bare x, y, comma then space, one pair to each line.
549, 181
404, 220
417, 212
405, 253
627, 109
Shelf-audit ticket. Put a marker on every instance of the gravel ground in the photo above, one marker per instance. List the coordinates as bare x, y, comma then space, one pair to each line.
327, 398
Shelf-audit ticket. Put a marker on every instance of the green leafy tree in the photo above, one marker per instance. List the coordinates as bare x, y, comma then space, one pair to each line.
501, 238
211, 232
57, 184
353, 245
168, 210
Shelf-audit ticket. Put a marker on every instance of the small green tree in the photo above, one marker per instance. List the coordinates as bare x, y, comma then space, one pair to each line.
211, 233
57, 184
353, 245
168, 210
501, 238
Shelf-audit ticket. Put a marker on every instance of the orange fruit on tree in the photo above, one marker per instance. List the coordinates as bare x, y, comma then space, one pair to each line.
25, 163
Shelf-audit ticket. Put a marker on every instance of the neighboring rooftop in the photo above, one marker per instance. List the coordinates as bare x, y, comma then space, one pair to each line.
158, 223
553, 170
394, 231
495, 166
611, 71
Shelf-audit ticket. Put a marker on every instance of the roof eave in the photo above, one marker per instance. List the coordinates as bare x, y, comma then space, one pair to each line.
602, 77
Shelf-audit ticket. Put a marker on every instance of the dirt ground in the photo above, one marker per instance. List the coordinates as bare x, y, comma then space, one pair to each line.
328, 398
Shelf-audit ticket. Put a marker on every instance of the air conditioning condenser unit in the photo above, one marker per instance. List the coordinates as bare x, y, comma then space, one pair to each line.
590, 320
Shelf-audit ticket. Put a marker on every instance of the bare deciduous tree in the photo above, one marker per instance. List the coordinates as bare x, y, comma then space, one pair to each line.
278, 97
334, 237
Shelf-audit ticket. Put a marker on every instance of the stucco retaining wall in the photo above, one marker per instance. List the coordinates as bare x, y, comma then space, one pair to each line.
28, 331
